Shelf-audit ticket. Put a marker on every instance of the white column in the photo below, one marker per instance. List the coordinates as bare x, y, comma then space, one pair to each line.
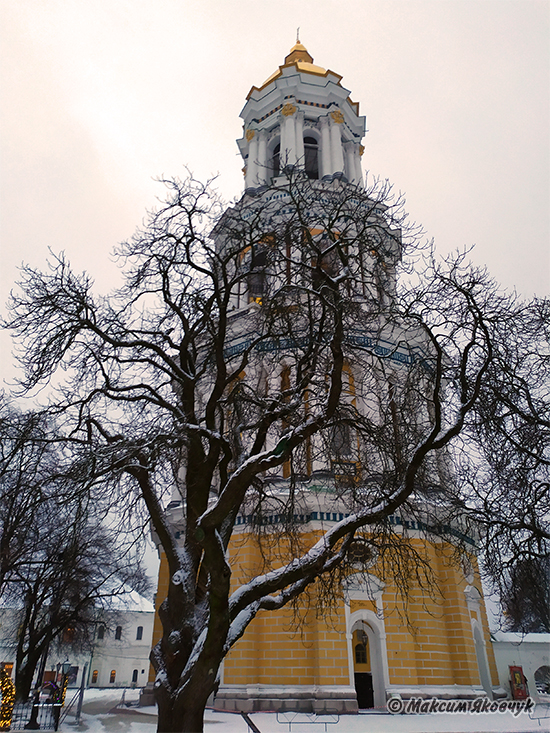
337, 153
284, 143
326, 158
357, 160
290, 157
251, 180
288, 141
299, 132
350, 162
262, 157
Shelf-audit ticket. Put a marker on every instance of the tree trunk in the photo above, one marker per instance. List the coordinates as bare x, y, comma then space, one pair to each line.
23, 680
192, 721
178, 718
183, 712
26, 662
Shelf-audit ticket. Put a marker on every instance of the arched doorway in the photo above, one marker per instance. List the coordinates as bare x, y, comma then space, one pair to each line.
362, 670
367, 642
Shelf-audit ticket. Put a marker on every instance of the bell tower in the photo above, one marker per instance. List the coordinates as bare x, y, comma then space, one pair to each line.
301, 117
308, 298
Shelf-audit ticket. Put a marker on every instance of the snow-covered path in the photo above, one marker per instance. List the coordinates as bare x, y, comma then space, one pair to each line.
100, 715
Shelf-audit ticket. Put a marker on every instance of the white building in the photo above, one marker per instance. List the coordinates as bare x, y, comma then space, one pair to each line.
118, 655
531, 652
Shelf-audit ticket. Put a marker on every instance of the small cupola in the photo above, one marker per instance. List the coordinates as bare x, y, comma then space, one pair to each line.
298, 53
301, 118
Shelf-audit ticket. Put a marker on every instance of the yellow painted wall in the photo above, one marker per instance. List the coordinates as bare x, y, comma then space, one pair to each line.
429, 639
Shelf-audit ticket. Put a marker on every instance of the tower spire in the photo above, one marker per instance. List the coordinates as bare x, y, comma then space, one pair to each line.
298, 52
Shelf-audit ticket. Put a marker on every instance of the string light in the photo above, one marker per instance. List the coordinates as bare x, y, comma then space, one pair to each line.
7, 688
65, 685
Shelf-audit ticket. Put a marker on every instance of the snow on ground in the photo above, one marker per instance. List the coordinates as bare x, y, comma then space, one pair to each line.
100, 715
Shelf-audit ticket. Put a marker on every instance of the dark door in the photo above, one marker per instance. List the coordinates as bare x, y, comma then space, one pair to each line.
364, 690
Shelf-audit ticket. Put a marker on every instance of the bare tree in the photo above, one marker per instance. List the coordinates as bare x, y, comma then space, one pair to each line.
60, 561
249, 353
510, 482
25, 457
76, 574
526, 596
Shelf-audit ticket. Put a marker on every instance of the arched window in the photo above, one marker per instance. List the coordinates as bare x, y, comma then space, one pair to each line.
360, 653
134, 676
311, 155
118, 632
94, 676
542, 680
327, 261
285, 385
101, 632
276, 159
113, 676
256, 276
340, 441
139, 633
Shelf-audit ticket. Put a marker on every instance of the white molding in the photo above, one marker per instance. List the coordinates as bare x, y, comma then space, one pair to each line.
374, 627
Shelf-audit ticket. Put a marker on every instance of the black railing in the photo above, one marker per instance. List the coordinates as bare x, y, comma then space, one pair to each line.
46, 717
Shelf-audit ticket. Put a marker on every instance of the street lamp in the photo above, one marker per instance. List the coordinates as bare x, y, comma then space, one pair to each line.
65, 668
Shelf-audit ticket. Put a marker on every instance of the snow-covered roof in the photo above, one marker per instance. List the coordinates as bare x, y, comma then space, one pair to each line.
122, 598
128, 600
515, 637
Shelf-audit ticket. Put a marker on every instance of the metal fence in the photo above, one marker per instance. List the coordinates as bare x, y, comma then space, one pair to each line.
46, 716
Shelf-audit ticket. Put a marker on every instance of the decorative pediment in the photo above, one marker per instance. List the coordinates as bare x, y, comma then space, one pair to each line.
363, 586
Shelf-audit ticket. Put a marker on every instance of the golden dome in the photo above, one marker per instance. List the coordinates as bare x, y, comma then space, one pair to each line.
298, 52
299, 57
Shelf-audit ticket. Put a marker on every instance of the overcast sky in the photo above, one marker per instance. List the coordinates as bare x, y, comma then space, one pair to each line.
99, 97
